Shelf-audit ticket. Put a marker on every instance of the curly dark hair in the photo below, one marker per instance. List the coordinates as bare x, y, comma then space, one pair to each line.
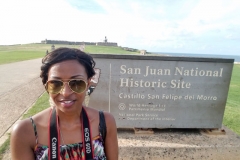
63, 54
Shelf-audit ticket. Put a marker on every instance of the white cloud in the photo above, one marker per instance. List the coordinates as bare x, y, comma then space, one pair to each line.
182, 26
31, 21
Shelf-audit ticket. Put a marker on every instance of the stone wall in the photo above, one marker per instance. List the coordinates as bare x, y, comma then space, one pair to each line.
129, 49
106, 44
79, 43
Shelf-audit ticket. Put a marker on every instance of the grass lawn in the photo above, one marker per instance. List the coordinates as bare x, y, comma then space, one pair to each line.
4, 147
232, 111
41, 104
14, 53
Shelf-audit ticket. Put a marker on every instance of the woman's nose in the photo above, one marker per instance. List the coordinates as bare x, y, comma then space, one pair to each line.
66, 90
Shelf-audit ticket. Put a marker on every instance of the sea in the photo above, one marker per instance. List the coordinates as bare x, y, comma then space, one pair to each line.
235, 57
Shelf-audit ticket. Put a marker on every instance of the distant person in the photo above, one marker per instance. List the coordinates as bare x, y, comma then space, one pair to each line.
82, 47
67, 130
52, 47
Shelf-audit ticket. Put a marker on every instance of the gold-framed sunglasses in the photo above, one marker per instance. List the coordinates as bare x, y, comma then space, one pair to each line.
56, 86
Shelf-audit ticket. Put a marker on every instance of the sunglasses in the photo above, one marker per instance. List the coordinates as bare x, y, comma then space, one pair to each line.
56, 86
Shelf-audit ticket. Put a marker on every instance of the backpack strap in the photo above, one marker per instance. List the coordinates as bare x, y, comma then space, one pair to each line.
102, 125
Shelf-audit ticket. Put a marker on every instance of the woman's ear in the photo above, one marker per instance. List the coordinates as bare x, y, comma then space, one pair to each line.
89, 83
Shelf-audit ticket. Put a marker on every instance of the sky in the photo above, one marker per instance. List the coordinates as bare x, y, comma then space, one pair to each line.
179, 26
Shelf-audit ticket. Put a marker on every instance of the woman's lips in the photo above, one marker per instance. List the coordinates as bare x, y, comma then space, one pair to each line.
67, 103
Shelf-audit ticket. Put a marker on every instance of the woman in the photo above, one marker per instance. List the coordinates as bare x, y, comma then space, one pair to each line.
67, 126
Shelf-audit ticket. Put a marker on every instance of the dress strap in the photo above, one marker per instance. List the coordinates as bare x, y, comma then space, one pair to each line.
35, 129
102, 125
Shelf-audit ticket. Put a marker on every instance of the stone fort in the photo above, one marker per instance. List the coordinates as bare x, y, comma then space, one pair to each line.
104, 43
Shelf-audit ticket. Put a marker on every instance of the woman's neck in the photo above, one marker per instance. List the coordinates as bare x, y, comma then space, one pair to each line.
69, 119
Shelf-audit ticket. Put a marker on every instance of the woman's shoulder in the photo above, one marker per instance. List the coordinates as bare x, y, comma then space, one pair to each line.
109, 119
23, 133
24, 127
21, 127
95, 113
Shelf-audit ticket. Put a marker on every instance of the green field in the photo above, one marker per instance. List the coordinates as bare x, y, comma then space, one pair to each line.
232, 111
14, 53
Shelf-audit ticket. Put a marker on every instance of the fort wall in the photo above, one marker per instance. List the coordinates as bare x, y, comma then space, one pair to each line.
46, 41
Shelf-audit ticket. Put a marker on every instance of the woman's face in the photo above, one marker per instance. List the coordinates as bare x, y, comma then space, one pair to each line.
67, 100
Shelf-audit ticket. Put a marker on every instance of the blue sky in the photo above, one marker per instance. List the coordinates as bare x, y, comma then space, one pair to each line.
184, 26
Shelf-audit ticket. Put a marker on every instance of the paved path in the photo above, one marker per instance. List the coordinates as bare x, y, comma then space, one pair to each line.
15, 74
20, 86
